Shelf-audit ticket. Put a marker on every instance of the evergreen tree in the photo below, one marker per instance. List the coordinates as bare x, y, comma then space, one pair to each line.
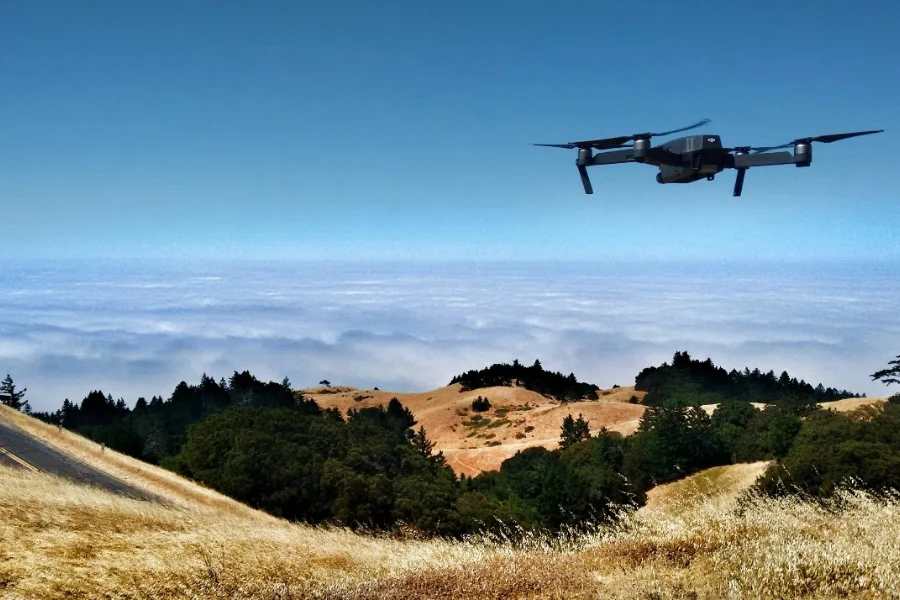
11, 397
573, 431
422, 443
889, 375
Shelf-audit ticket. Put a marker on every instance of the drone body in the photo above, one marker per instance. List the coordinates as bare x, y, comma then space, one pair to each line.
691, 158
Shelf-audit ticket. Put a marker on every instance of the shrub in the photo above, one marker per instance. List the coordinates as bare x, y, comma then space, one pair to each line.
480, 404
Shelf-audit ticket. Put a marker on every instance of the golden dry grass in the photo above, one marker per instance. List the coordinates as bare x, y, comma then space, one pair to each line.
723, 483
851, 404
61, 540
152, 479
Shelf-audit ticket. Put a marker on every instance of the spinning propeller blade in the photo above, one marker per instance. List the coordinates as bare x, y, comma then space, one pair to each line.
619, 141
697, 124
825, 139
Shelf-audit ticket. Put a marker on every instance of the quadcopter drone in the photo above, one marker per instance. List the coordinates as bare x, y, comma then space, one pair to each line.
688, 159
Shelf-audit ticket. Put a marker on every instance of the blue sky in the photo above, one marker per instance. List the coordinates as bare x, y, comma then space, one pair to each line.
318, 129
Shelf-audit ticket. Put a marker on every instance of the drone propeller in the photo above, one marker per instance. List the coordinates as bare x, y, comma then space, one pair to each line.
825, 139
620, 141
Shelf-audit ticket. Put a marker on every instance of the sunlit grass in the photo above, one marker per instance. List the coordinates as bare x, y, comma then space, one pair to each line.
61, 540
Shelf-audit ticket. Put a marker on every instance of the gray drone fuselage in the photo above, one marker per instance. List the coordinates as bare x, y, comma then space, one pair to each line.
701, 156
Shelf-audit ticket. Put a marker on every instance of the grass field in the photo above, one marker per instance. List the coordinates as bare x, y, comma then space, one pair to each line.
699, 538
60, 540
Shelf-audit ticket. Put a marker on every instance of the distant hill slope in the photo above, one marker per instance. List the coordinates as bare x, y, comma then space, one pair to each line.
156, 481
845, 405
518, 418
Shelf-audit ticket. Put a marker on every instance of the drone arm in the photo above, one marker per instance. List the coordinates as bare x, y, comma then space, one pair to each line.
612, 158
743, 161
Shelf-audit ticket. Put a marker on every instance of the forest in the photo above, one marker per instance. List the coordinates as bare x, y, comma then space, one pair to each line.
689, 381
268, 446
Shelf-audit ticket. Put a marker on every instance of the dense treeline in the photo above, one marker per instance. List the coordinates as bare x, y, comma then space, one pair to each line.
688, 381
832, 448
157, 429
565, 388
267, 446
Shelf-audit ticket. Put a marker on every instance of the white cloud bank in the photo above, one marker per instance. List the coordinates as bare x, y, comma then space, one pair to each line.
135, 329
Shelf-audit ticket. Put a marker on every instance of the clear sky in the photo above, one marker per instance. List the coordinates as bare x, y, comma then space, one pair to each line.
400, 129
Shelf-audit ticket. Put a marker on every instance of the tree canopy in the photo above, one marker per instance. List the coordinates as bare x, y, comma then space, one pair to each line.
694, 382
565, 388
12, 397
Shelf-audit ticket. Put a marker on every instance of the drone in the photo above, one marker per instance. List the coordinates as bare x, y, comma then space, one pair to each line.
691, 158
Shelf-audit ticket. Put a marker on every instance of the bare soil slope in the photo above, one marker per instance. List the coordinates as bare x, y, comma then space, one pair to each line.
518, 418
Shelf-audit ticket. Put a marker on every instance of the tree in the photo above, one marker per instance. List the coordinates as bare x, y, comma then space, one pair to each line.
890, 375
480, 404
11, 397
325, 382
573, 431
421, 443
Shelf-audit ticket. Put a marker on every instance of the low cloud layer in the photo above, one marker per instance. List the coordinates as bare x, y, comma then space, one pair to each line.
135, 329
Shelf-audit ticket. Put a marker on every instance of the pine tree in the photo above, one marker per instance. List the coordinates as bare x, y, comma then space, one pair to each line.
11, 397
573, 431
422, 443
890, 375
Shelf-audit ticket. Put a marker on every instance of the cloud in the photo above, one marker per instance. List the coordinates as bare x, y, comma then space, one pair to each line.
138, 329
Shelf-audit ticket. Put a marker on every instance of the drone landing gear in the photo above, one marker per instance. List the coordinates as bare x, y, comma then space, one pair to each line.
659, 178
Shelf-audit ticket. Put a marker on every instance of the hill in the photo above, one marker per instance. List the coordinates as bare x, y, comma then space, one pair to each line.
720, 483
518, 418
64, 540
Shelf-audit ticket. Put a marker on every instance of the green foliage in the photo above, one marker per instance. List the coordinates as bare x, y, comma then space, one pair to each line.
672, 442
12, 398
565, 388
157, 429
692, 382
573, 431
547, 489
480, 404
832, 448
891, 374
371, 470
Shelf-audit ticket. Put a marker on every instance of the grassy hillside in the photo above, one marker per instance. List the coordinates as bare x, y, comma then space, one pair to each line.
92, 544
518, 418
